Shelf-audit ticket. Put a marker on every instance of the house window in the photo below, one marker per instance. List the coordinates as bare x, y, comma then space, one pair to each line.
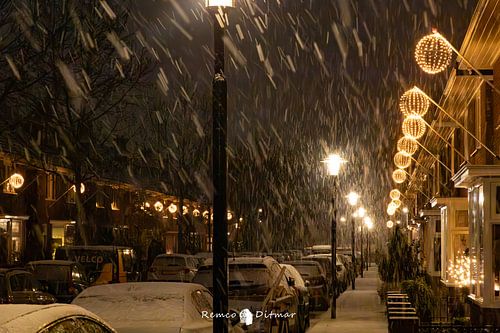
51, 187
476, 228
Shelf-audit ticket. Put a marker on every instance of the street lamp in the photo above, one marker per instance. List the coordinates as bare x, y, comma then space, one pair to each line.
352, 199
217, 9
333, 163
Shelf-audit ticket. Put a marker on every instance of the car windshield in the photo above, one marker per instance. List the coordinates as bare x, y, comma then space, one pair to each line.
241, 276
308, 270
51, 272
170, 261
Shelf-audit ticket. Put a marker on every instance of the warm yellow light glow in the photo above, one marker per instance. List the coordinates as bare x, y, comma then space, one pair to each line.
82, 188
361, 212
402, 161
397, 202
414, 127
185, 210
220, 3
433, 53
390, 211
414, 102
343, 219
158, 206
229, 216
206, 214
392, 206
459, 269
172, 208
16, 181
407, 145
399, 176
196, 212
352, 198
333, 163
368, 222
395, 194
390, 224
405, 210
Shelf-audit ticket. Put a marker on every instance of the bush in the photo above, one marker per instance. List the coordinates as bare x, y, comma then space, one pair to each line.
421, 296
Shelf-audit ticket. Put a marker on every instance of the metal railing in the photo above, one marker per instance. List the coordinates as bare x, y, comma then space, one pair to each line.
448, 328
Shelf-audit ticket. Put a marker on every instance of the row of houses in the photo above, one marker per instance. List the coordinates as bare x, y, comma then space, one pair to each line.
454, 189
42, 209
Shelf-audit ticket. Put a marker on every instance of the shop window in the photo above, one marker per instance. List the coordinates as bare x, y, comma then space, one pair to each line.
496, 259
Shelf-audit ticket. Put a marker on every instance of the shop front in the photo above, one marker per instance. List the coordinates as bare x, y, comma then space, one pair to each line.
12, 239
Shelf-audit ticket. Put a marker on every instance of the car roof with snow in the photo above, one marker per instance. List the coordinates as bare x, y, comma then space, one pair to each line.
303, 263
245, 260
32, 318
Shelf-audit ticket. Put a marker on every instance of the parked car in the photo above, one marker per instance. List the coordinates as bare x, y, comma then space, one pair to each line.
17, 318
173, 267
62, 278
18, 286
326, 262
103, 264
297, 283
256, 284
315, 280
347, 262
153, 307
202, 256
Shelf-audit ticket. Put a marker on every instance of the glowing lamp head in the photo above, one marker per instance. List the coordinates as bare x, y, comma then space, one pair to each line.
361, 212
220, 3
16, 181
433, 53
395, 194
352, 198
333, 163
407, 145
414, 102
414, 127
399, 176
368, 222
402, 161
405, 210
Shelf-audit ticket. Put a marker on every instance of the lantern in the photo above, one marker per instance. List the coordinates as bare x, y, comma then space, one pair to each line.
414, 102
433, 53
414, 127
401, 160
395, 194
407, 145
399, 176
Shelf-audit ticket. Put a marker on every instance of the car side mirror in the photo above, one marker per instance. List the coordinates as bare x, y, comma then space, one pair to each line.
307, 283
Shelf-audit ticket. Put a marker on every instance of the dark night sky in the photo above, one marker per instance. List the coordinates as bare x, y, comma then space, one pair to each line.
310, 76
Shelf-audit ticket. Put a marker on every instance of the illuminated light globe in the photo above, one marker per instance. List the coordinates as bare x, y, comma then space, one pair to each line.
414, 127
399, 176
414, 102
17, 181
392, 206
395, 194
391, 211
407, 145
220, 3
402, 161
433, 53
397, 202
172, 208
158, 206
390, 224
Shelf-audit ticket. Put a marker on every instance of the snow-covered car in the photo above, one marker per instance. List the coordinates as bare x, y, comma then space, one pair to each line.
259, 286
173, 267
62, 278
315, 280
153, 307
297, 283
18, 286
326, 262
24, 318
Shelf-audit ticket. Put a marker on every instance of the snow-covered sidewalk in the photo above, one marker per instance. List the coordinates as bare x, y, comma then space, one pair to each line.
357, 310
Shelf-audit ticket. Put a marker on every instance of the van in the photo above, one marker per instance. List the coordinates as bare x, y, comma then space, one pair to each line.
102, 264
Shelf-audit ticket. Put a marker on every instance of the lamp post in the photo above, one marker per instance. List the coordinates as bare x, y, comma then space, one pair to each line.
217, 9
361, 214
333, 163
352, 199
369, 225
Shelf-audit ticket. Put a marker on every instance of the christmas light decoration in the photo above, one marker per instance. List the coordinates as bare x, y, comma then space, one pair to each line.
399, 176
158, 206
414, 127
433, 53
459, 269
407, 145
414, 102
395, 194
172, 208
401, 160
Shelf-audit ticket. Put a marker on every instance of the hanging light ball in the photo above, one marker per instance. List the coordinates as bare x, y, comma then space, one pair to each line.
414, 102
402, 161
390, 224
391, 211
408, 146
158, 206
399, 176
414, 127
433, 53
392, 206
396, 203
395, 194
